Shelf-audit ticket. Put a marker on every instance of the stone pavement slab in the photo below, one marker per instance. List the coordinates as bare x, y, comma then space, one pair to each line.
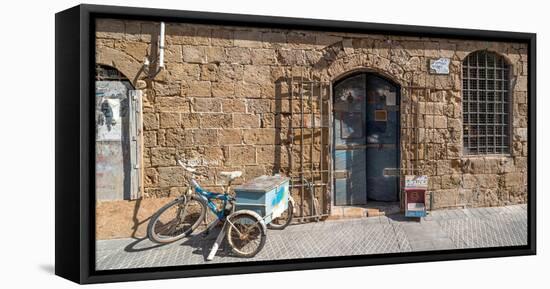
441, 230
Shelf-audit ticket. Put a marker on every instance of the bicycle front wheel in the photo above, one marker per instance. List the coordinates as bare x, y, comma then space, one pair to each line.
176, 220
246, 234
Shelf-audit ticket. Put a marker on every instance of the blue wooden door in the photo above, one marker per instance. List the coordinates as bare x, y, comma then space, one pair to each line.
366, 121
350, 108
382, 139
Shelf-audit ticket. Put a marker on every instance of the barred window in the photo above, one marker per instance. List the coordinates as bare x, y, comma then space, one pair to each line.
486, 103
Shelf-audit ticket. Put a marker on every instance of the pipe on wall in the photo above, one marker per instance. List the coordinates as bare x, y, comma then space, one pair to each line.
161, 46
160, 56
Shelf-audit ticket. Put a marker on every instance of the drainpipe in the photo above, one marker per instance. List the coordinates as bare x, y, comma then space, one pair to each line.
160, 59
161, 47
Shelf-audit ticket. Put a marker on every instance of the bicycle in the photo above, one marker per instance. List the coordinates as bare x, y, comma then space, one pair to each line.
245, 230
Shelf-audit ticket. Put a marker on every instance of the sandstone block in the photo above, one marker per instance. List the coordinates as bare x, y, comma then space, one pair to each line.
260, 136
451, 181
207, 105
172, 104
190, 120
171, 176
258, 74
170, 120
223, 89
248, 90
238, 55
150, 121
222, 37
173, 54
246, 120
233, 105
163, 157
215, 54
513, 179
251, 172
247, 38
167, 89
199, 88
258, 105
477, 165
205, 137
178, 138
273, 39
182, 71
194, 54
300, 40
435, 121
109, 28
230, 136
263, 57
151, 177
520, 134
213, 156
444, 198
216, 120
150, 138
137, 50
241, 155
291, 57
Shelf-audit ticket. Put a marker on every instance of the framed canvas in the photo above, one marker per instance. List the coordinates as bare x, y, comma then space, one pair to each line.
196, 144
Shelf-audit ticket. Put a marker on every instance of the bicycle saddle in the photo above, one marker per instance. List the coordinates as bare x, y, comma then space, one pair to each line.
231, 175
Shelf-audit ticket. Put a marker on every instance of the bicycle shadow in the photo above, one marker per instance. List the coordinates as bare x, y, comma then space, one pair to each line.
141, 244
202, 244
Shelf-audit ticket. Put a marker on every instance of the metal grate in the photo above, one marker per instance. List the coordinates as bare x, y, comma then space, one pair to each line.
305, 115
106, 73
486, 103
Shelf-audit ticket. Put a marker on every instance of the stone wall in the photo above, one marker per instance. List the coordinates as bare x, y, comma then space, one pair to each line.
215, 103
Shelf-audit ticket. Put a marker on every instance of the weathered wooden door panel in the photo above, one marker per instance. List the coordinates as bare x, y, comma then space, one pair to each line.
382, 134
116, 147
349, 141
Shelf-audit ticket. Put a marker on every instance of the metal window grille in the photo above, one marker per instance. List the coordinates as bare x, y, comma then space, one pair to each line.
105, 73
486, 103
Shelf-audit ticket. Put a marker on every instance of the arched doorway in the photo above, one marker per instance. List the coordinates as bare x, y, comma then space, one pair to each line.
117, 131
366, 139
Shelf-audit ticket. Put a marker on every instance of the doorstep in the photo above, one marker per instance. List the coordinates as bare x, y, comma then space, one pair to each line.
373, 209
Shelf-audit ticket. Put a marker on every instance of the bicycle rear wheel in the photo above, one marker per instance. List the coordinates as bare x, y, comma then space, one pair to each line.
176, 220
284, 219
246, 234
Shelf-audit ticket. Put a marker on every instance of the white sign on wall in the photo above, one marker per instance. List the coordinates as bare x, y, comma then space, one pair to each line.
416, 182
439, 66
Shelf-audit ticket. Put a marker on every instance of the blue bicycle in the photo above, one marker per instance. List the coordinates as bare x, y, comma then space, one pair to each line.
245, 230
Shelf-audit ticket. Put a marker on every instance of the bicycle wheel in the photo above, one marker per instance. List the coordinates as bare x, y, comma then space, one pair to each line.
246, 234
176, 220
284, 219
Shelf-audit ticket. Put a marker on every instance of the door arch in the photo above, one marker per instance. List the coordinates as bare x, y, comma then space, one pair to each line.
366, 139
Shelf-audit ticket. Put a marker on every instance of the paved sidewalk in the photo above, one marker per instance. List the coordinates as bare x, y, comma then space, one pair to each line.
444, 229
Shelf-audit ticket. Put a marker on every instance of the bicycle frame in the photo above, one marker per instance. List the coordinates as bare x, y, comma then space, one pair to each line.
209, 196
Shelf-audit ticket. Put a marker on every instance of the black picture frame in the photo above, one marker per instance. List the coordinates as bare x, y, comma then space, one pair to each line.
74, 137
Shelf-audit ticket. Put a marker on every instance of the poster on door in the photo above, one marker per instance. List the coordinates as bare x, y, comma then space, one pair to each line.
110, 99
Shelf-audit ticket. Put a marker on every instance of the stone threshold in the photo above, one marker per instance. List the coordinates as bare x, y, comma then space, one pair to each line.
372, 209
